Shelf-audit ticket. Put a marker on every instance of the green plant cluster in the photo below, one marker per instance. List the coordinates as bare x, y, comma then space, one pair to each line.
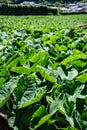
43, 77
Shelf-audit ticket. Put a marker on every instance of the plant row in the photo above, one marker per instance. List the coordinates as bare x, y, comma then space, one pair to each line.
43, 78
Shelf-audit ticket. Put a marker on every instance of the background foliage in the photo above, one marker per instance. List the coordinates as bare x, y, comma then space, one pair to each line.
43, 1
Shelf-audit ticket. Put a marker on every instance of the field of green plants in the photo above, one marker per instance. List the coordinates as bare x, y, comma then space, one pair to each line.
43, 72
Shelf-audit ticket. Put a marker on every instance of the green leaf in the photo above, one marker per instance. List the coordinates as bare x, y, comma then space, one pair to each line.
37, 56
7, 89
33, 94
22, 117
78, 64
56, 105
11, 121
72, 74
53, 105
70, 120
4, 72
70, 128
76, 55
82, 78
77, 94
2, 80
53, 39
83, 124
68, 75
43, 120
45, 75
19, 90
12, 58
32, 101
13, 63
42, 61
41, 111
84, 115
21, 70
62, 48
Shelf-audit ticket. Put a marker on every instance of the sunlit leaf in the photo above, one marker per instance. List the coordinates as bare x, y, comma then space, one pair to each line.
43, 120
82, 78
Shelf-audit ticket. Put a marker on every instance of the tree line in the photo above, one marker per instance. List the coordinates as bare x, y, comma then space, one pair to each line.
53, 1
4, 2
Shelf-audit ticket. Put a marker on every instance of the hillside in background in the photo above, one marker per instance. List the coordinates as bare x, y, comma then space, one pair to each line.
42, 2
52, 1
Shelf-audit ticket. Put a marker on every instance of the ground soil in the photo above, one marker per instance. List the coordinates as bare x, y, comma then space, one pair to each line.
4, 124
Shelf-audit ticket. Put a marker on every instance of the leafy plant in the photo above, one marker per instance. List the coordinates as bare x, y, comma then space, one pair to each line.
43, 76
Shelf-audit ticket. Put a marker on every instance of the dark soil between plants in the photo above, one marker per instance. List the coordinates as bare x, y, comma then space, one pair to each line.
4, 124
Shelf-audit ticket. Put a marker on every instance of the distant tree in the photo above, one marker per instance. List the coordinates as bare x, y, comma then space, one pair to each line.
57, 2
11, 1
4, 2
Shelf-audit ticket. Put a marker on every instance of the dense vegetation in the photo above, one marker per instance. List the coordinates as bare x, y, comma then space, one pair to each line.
57, 2
27, 10
43, 72
53, 1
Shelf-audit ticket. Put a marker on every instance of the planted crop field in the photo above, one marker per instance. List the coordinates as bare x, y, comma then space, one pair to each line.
43, 72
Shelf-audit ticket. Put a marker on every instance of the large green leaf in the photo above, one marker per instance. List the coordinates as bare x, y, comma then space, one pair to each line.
7, 89
42, 60
43, 120
12, 58
53, 39
62, 48
45, 75
33, 94
82, 78
37, 56
13, 63
41, 111
78, 64
25, 115
11, 121
19, 90
76, 55
77, 94
20, 70
56, 105
32, 101
68, 75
